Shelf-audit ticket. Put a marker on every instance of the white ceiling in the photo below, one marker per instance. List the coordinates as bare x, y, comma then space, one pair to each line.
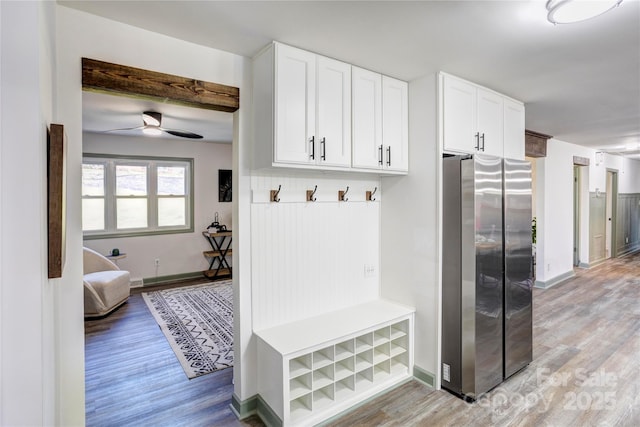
580, 82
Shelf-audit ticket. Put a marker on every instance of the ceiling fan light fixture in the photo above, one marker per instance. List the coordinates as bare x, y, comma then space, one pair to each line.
571, 11
151, 130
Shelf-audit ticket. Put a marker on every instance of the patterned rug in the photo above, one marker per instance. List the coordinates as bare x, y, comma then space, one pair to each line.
198, 323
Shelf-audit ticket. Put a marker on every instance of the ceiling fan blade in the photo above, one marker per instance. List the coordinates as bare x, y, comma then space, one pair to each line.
124, 129
182, 133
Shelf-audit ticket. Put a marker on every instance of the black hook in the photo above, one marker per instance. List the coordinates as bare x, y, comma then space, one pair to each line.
275, 193
370, 195
342, 194
311, 194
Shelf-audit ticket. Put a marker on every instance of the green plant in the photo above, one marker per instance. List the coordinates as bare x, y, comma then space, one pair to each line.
533, 230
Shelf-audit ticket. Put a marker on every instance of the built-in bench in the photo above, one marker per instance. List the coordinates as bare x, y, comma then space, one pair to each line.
312, 369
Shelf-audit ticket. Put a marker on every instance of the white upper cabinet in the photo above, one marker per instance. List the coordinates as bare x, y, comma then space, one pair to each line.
312, 109
380, 122
395, 124
295, 106
459, 115
514, 140
490, 120
367, 119
314, 112
478, 120
333, 144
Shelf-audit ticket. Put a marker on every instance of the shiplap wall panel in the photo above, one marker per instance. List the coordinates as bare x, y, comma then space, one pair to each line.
309, 257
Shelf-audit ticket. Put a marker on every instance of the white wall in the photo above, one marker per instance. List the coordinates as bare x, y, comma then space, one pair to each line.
84, 35
27, 380
178, 253
555, 210
628, 173
309, 257
410, 263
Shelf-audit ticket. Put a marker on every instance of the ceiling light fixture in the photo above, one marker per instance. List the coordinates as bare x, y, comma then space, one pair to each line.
570, 11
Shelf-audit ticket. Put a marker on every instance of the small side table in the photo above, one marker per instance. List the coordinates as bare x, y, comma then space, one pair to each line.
220, 243
115, 258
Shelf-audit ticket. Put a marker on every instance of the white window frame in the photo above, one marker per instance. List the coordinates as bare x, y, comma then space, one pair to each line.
110, 198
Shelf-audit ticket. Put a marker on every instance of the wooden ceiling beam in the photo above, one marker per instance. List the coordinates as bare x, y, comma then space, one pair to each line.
99, 76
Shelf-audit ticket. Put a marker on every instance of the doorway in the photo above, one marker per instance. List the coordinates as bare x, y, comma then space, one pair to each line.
610, 214
158, 364
576, 215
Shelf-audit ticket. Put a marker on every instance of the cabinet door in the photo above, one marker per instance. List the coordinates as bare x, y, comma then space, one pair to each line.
367, 119
490, 121
395, 124
459, 115
295, 100
514, 145
333, 136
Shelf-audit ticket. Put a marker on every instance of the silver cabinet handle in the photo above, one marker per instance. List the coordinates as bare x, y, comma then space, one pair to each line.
324, 149
477, 138
388, 156
380, 155
482, 137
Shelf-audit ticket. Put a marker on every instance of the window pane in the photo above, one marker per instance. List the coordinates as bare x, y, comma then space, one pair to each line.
131, 213
171, 180
171, 211
92, 214
131, 180
92, 179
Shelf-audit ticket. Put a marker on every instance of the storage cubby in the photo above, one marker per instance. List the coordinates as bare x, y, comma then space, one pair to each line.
381, 336
322, 377
344, 349
323, 397
329, 372
364, 360
364, 342
299, 386
345, 387
300, 407
299, 365
345, 368
322, 357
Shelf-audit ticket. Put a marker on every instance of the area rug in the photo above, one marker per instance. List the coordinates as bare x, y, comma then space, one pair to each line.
198, 323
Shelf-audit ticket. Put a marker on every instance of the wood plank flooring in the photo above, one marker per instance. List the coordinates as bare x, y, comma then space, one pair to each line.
133, 378
585, 372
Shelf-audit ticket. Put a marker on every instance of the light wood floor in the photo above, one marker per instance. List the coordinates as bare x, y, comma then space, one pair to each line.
585, 372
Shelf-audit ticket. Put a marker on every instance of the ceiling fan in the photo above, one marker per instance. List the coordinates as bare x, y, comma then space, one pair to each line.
152, 126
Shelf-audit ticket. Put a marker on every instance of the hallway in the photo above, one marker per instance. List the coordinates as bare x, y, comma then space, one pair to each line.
585, 367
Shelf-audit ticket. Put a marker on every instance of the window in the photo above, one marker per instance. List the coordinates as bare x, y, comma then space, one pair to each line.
127, 196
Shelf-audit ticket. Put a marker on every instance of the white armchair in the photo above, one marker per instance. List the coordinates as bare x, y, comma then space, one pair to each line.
106, 287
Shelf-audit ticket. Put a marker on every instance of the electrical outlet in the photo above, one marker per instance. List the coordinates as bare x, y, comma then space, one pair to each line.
157, 261
369, 270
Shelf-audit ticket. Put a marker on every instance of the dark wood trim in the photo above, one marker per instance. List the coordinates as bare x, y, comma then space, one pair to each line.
535, 143
55, 200
111, 78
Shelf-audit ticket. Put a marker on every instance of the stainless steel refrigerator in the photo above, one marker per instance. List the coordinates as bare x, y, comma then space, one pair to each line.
487, 272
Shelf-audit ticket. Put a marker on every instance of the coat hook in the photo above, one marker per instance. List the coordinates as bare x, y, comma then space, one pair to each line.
342, 194
369, 195
275, 194
311, 194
